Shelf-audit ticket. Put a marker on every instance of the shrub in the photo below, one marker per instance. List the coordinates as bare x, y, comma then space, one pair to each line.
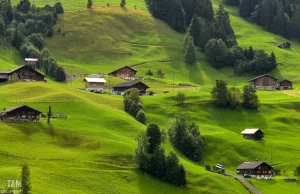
58, 8
141, 117
207, 167
180, 97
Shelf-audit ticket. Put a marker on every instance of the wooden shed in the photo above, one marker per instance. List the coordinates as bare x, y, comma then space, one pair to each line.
120, 88
255, 134
264, 82
285, 85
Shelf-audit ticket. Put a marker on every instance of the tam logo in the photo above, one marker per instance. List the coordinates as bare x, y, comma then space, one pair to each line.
14, 183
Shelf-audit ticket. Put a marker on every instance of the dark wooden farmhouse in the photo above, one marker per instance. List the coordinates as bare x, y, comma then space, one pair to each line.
120, 88
255, 134
19, 113
285, 85
125, 72
264, 82
256, 169
31, 62
21, 73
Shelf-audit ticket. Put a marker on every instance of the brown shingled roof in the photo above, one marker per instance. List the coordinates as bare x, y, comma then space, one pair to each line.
122, 68
262, 76
249, 165
15, 108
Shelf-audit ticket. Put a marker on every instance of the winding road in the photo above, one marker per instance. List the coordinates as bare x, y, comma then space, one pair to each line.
245, 183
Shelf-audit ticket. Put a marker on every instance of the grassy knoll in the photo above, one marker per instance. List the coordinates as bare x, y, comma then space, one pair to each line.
90, 151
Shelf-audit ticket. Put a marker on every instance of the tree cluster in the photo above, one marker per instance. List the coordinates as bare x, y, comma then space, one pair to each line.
133, 105
159, 73
278, 16
150, 157
178, 14
24, 26
186, 137
223, 96
203, 30
244, 61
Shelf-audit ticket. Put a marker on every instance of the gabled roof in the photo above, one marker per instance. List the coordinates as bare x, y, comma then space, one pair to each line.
15, 108
20, 67
122, 68
129, 84
285, 80
250, 165
250, 131
263, 76
95, 80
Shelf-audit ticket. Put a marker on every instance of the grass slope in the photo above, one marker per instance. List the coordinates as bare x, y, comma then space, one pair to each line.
105, 38
90, 151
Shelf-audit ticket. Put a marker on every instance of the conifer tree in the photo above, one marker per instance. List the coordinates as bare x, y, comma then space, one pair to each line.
204, 9
176, 16
190, 53
123, 3
25, 179
224, 30
295, 24
195, 30
273, 60
89, 4
204, 35
247, 7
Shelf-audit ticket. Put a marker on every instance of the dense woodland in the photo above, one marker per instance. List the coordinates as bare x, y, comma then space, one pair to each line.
279, 16
24, 27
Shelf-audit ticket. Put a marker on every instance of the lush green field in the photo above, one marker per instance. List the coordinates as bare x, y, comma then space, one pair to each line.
91, 151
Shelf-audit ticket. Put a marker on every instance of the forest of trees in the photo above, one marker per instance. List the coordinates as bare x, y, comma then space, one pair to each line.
133, 104
243, 61
278, 16
178, 14
223, 96
25, 25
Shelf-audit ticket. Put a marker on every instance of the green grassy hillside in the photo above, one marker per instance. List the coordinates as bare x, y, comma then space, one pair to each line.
91, 151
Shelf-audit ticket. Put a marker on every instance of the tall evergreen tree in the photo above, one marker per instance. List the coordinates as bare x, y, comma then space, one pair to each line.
25, 179
176, 16
204, 35
224, 30
195, 30
281, 21
204, 9
295, 24
273, 60
190, 53
247, 7
220, 93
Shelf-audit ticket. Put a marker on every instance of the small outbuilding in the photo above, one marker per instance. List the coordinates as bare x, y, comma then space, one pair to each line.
120, 88
255, 169
94, 84
219, 168
285, 85
264, 82
255, 134
125, 72
19, 113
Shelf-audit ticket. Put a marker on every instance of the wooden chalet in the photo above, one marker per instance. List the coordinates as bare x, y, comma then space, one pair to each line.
120, 88
264, 82
285, 85
125, 72
23, 72
94, 84
19, 113
255, 134
31, 62
256, 169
